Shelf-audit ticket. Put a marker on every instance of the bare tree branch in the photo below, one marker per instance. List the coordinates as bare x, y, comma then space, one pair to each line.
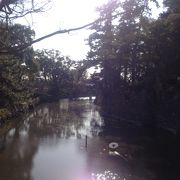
22, 47
66, 31
58, 32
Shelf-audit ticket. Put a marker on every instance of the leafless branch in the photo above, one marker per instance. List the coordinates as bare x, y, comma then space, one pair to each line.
22, 47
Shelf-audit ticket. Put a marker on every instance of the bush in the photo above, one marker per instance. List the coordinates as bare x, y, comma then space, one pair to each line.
4, 114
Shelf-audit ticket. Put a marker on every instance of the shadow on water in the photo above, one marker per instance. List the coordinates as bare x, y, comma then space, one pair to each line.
152, 153
50, 144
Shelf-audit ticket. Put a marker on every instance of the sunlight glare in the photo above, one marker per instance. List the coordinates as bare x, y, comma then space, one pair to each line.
67, 14
106, 175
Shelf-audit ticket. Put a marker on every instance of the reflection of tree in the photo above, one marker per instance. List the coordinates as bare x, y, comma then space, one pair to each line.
16, 159
64, 119
2, 143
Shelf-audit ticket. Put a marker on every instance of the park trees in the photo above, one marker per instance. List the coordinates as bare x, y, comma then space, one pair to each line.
164, 43
56, 73
118, 41
17, 65
16, 75
139, 59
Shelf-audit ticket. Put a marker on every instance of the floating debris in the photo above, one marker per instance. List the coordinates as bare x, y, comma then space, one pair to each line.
113, 146
115, 153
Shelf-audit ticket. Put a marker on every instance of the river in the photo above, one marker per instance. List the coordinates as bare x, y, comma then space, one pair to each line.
69, 140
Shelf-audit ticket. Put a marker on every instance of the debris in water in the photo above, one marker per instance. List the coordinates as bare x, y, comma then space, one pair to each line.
113, 145
115, 153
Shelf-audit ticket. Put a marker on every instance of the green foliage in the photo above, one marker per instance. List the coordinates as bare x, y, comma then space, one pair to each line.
55, 73
4, 114
15, 35
139, 58
16, 75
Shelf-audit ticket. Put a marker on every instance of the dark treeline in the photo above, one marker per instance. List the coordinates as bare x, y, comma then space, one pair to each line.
60, 77
140, 62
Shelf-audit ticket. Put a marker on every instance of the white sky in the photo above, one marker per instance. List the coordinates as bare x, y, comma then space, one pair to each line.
66, 14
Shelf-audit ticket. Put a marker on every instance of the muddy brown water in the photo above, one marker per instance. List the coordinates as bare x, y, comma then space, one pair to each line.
49, 143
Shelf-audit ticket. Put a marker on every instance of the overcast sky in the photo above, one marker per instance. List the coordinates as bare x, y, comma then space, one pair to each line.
66, 14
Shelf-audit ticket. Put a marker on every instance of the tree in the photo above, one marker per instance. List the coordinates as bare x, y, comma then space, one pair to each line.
173, 5
102, 45
17, 65
16, 73
142, 73
163, 43
13, 9
118, 43
55, 73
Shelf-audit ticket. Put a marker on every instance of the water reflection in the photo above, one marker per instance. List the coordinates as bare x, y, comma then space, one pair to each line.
49, 144
16, 157
66, 119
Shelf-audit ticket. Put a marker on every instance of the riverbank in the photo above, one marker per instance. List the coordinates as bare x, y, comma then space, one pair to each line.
17, 109
7, 115
140, 113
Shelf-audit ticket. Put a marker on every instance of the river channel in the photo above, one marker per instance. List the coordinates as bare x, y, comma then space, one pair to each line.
69, 140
